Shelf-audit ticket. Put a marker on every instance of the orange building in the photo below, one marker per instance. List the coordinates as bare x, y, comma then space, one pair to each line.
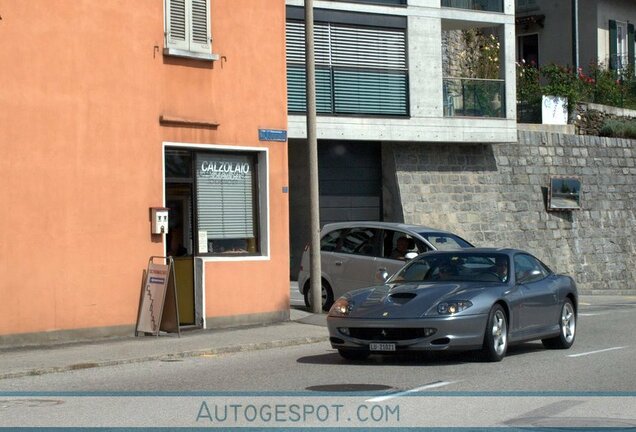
108, 109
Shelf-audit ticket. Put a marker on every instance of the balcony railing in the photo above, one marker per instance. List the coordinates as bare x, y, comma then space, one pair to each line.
482, 5
350, 91
381, 2
472, 97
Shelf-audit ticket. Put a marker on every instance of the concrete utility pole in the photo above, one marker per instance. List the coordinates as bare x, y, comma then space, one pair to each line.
312, 142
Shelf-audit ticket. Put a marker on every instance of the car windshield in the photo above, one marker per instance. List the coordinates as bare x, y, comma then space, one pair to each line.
450, 267
441, 241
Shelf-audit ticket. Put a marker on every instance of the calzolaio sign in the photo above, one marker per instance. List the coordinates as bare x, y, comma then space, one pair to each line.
224, 170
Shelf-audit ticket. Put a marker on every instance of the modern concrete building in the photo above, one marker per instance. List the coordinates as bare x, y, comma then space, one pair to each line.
605, 32
108, 109
394, 75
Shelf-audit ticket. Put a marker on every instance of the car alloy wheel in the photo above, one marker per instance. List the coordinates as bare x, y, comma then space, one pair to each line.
567, 328
568, 322
496, 337
327, 296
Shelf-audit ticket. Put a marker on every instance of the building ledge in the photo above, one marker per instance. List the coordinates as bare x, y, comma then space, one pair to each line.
165, 120
173, 52
560, 129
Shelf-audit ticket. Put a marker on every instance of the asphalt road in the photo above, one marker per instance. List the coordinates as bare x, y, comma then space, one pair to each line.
601, 360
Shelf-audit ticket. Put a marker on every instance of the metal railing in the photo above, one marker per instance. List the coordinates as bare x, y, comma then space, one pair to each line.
474, 97
350, 91
482, 5
619, 62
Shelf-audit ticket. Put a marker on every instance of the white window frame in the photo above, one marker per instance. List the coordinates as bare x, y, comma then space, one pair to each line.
187, 46
262, 218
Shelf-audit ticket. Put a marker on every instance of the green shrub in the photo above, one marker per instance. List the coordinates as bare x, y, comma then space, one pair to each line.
562, 82
609, 88
619, 129
528, 93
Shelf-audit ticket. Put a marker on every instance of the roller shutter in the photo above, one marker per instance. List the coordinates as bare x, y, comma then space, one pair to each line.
359, 70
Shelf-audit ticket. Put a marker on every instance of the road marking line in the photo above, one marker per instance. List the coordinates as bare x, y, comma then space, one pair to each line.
415, 390
596, 352
593, 314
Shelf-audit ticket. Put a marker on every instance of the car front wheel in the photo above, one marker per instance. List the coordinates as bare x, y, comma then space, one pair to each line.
327, 296
496, 336
567, 327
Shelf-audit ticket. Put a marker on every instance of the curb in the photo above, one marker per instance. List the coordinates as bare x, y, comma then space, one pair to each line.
168, 357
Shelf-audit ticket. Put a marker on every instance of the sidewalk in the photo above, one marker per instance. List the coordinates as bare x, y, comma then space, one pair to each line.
303, 328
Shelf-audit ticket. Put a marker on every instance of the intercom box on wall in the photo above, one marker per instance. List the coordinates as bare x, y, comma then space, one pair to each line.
159, 219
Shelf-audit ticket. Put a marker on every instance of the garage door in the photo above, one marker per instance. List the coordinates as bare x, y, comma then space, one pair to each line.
350, 176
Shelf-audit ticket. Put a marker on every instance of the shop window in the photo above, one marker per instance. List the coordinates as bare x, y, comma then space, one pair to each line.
229, 201
226, 203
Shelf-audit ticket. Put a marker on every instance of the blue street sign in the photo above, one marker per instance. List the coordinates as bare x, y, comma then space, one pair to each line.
272, 135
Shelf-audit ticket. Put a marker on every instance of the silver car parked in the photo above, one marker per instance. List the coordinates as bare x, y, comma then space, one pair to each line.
359, 254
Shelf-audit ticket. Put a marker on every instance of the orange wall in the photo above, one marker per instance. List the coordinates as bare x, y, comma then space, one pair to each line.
84, 84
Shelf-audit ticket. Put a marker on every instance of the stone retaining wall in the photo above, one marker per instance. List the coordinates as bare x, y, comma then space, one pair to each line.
591, 117
495, 195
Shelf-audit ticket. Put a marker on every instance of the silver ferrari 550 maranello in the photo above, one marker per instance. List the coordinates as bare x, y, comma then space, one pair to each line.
465, 299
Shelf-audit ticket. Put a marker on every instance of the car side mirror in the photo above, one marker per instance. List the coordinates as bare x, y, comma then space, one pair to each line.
382, 276
530, 276
410, 255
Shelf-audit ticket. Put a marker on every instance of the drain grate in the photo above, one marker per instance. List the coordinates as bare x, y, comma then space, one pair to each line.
349, 388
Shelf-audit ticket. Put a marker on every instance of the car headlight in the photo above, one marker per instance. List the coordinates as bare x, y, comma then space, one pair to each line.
341, 307
450, 308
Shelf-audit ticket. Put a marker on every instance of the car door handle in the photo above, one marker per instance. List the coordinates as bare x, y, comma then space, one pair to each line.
381, 269
338, 263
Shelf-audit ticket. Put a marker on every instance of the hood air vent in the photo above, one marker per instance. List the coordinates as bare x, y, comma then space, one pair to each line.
402, 297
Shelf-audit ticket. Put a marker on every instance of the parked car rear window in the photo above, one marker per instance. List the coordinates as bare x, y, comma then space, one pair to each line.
332, 241
442, 241
359, 241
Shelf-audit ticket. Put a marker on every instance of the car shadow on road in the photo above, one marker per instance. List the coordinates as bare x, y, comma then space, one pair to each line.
439, 358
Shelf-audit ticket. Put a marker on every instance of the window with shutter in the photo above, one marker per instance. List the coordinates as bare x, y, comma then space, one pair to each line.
630, 46
613, 45
188, 29
359, 69
620, 53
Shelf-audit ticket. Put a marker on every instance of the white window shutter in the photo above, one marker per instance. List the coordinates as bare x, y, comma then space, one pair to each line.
200, 26
177, 24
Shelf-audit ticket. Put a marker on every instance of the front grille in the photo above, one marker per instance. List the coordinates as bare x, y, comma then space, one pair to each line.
394, 334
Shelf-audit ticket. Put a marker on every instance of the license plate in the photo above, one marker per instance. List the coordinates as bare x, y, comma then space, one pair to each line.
382, 347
